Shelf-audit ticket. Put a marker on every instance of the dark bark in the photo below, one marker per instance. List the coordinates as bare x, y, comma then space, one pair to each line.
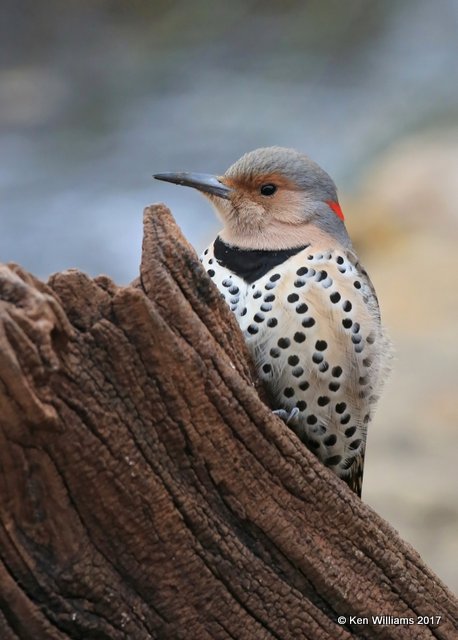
146, 491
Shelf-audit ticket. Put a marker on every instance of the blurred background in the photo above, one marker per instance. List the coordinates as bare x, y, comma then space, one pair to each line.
96, 95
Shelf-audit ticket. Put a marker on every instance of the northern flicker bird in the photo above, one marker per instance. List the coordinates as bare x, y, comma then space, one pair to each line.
309, 313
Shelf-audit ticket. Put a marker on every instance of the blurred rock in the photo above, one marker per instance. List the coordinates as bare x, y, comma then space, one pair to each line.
405, 226
410, 190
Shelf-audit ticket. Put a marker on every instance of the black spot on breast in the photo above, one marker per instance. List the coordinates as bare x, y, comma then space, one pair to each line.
332, 461
367, 362
329, 441
347, 306
308, 322
346, 322
289, 392
299, 283
335, 297
293, 360
272, 322
304, 385
363, 380
339, 260
355, 444
340, 407
257, 294
252, 329
269, 298
334, 386
301, 405
293, 297
275, 277
313, 444
371, 338
275, 353
301, 308
284, 343
243, 312
356, 327
350, 432
321, 345
266, 307
267, 368
234, 290
356, 339
299, 337
302, 271
336, 372
210, 261
270, 285
297, 372
324, 366
322, 275
311, 419
205, 252
323, 401
357, 284
259, 317
227, 283
317, 358
211, 273
346, 419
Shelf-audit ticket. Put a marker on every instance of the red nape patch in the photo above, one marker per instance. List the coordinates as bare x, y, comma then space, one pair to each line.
335, 206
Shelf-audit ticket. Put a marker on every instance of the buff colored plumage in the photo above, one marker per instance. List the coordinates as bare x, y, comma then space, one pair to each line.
284, 263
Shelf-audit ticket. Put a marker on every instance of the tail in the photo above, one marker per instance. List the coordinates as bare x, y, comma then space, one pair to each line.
355, 478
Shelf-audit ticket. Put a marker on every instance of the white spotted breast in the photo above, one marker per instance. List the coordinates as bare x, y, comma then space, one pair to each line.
312, 324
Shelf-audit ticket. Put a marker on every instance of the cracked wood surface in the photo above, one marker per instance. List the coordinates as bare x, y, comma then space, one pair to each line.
146, 491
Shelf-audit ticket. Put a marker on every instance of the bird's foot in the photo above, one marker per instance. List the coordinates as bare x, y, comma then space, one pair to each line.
287, 416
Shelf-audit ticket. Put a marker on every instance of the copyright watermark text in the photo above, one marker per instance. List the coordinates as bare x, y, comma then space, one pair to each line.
390, 620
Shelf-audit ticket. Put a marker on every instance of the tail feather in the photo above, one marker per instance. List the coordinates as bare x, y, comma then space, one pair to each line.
355, 479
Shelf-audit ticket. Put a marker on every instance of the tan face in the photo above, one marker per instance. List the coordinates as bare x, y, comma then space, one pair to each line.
297, 210
262, 203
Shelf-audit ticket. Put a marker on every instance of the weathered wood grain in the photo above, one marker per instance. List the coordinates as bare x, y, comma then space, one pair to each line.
147, 491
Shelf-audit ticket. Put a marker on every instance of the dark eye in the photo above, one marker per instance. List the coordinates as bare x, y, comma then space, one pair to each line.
268, 189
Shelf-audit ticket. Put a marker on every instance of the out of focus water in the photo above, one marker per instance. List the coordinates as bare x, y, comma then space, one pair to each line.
97, 96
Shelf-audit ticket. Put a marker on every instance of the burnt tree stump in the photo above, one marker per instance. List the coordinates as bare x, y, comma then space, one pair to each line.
147, 491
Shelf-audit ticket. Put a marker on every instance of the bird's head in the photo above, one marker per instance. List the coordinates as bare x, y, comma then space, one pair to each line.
272, 198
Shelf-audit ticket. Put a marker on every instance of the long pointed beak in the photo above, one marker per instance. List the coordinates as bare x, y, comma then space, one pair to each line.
203, 181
